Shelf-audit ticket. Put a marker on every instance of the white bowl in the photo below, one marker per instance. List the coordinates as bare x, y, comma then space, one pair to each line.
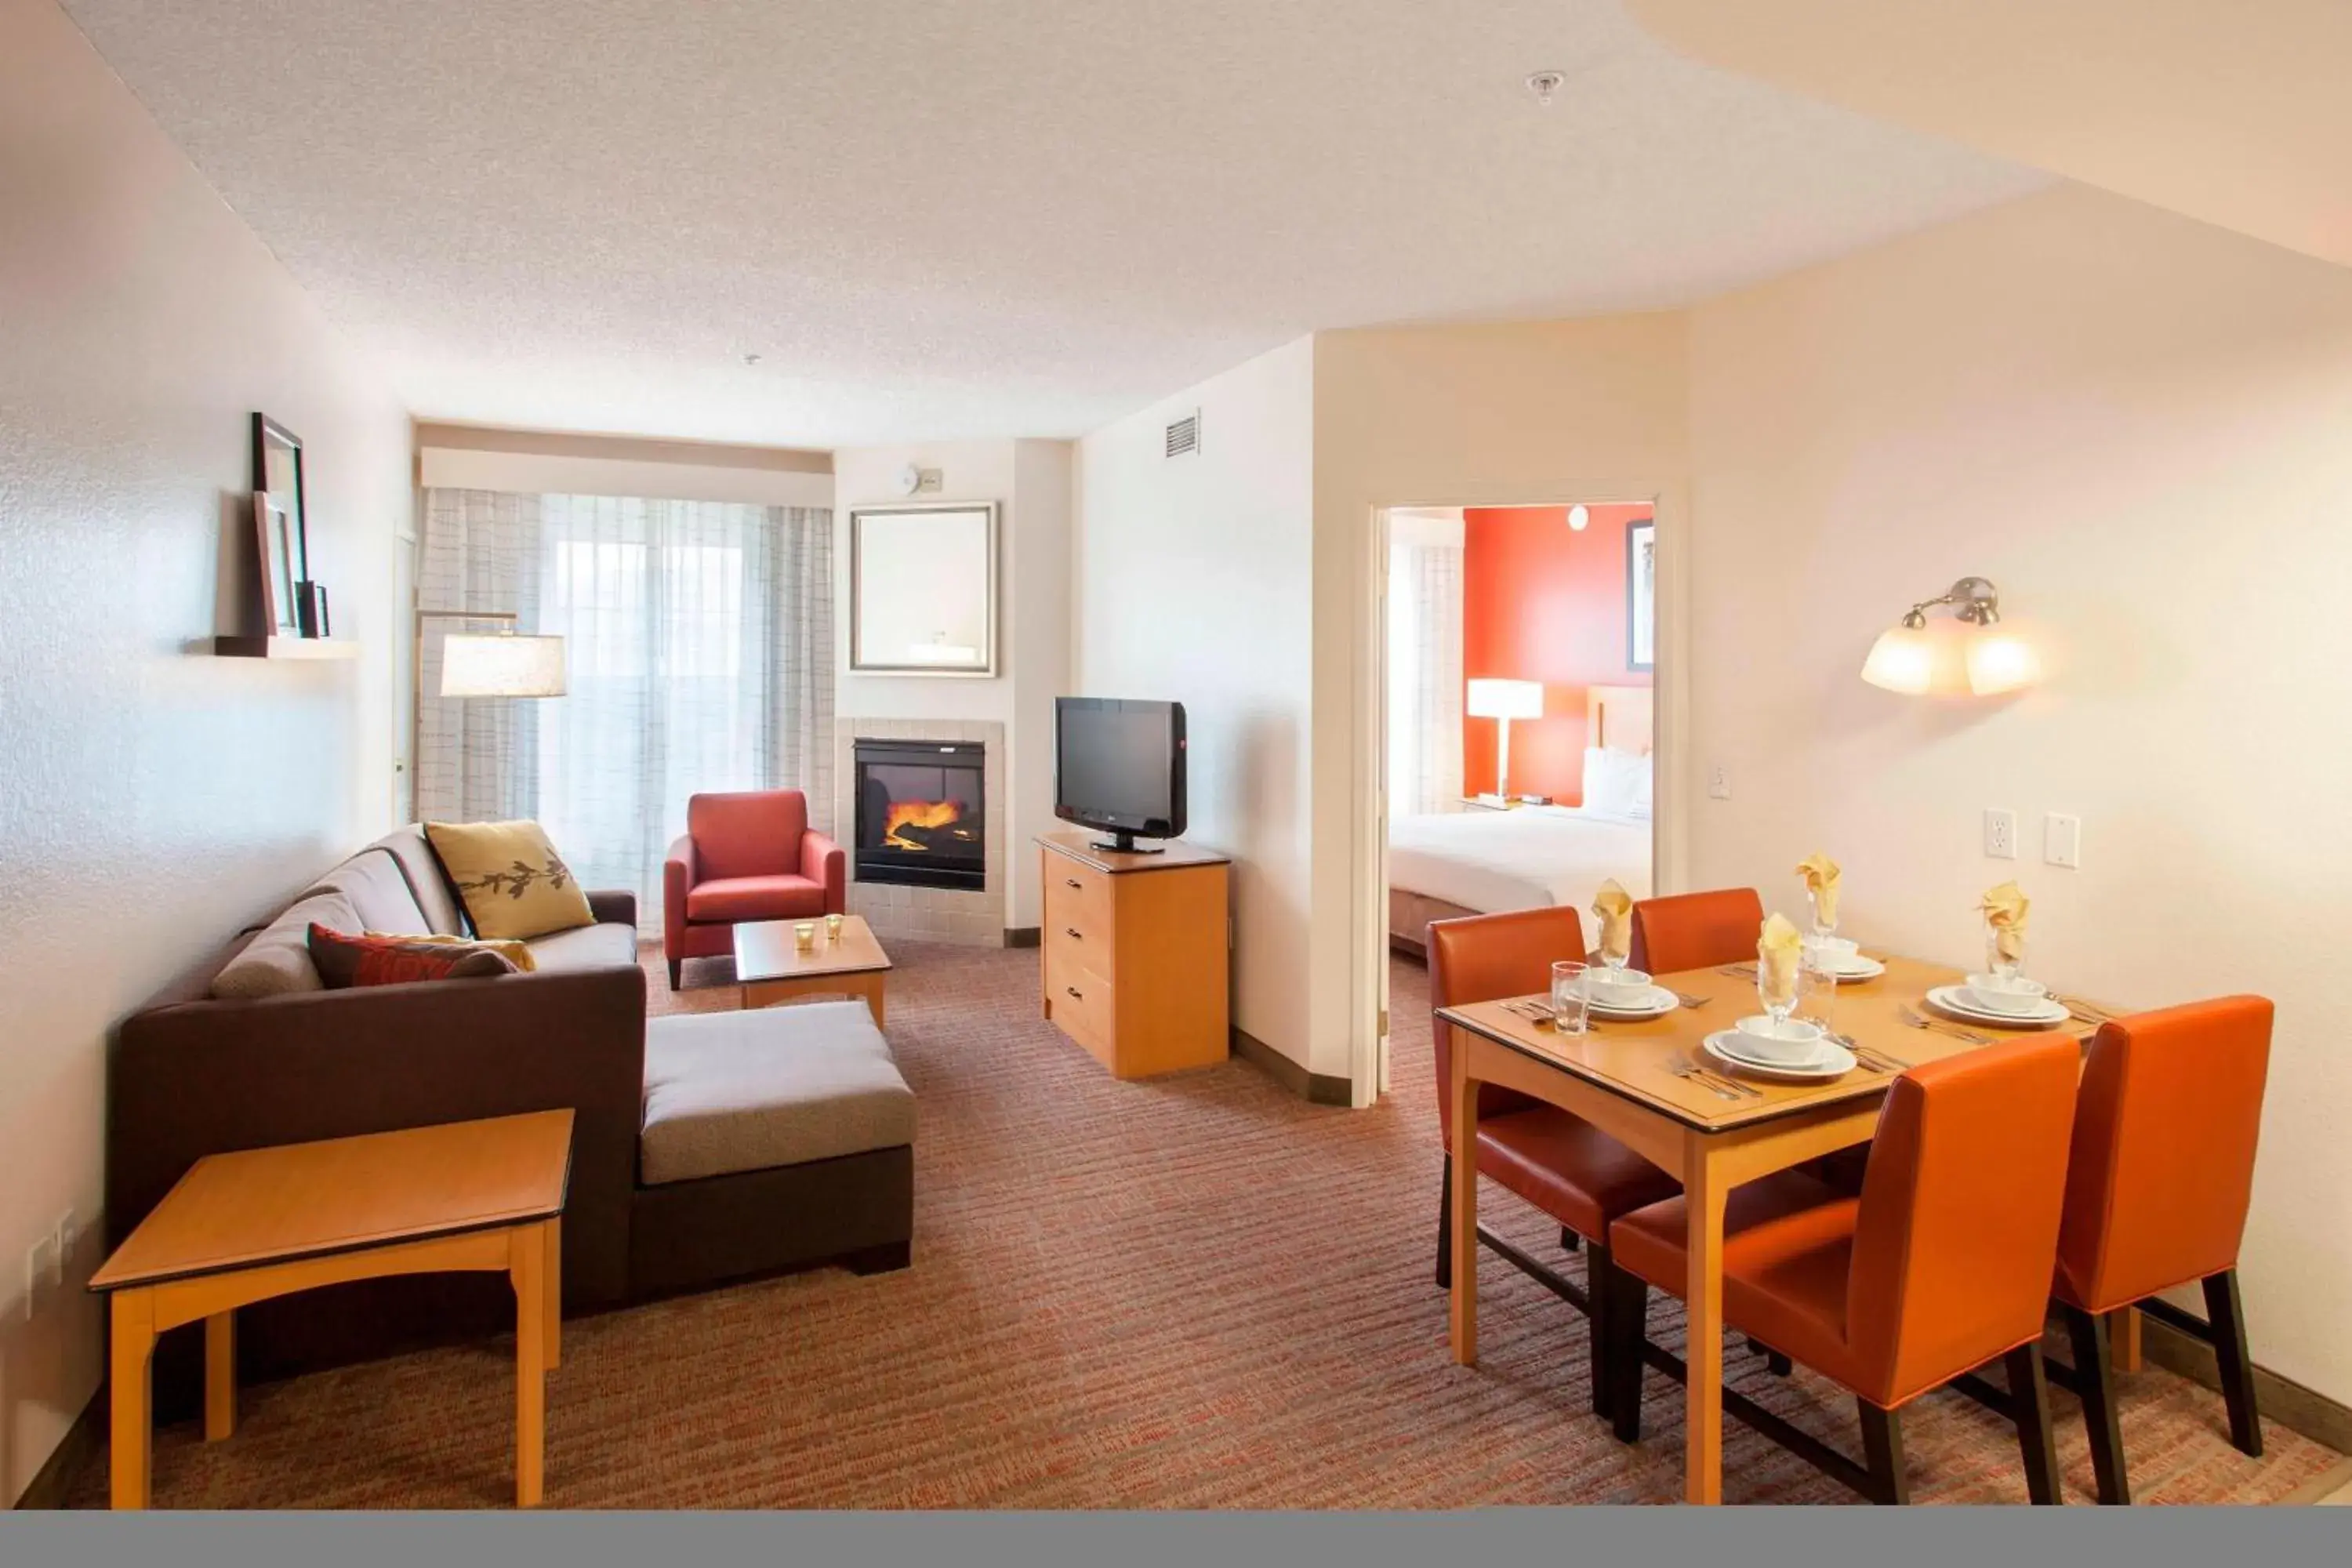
1793, 1040
1838, 947
2014, 997
1617, 987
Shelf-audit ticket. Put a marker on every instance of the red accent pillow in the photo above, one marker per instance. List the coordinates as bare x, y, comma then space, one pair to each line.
345, 960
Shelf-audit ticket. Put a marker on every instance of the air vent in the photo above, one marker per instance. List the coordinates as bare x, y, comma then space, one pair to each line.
1184, 436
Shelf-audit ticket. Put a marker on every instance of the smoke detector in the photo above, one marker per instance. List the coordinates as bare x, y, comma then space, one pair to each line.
1546, 85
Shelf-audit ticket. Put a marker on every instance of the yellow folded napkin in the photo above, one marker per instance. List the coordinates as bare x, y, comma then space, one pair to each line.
1820, 874
1778, 951
1614, 909
2004, 909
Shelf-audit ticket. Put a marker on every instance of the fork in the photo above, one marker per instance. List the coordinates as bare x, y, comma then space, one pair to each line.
1971, 1035
1685, 998
1722, 1087
1739, 971
2085, 1011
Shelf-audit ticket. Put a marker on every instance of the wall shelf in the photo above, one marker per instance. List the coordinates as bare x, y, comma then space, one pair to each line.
285, 648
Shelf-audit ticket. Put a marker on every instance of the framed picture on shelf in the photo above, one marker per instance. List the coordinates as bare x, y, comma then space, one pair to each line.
922, 589
1641, 595
281, 615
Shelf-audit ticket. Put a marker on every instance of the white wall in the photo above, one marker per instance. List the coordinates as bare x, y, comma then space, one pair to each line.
1030, 482
1193, 582
153, 798
2141, 429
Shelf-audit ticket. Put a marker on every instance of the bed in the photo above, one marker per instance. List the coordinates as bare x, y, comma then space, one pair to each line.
1478, 861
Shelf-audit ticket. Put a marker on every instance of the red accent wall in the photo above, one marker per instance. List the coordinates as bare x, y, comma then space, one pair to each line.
1541, 602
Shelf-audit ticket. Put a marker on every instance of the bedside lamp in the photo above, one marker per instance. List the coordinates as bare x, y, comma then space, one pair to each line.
1504, 700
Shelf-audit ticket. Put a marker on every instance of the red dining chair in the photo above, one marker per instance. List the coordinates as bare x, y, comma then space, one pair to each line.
1563, 1165
2163, 1168
1695, 931
1939, 1267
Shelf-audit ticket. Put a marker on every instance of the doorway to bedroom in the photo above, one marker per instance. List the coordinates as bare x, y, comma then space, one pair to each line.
1519, 653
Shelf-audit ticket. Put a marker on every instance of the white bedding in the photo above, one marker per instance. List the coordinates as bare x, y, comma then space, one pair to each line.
1522, 859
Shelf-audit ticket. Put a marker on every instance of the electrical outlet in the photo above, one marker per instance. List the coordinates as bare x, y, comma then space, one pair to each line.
2000, 833
1719, 782
2062, 840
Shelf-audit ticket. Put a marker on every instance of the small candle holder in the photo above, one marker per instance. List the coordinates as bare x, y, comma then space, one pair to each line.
804, 936
833, 927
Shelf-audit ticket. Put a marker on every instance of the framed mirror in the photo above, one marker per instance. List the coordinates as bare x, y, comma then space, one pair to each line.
922, 589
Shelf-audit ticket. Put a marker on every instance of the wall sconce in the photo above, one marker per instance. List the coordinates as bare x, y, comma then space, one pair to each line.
1968, 656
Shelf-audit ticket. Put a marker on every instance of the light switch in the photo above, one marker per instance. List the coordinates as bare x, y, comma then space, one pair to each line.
1719, 782
2062, 840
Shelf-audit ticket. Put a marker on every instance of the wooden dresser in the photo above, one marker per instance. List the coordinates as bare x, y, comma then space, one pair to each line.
1136, 952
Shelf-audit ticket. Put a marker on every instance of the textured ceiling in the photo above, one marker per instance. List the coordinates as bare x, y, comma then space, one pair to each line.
1019, 217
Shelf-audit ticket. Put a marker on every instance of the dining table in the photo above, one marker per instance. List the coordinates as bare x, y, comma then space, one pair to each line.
1650, 1084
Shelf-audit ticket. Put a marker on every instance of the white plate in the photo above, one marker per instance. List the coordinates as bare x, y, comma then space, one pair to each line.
1829, 1060
1661, 1003
1858, 968
1947, 998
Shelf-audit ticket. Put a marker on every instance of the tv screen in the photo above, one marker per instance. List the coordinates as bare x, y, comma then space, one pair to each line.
1119, 765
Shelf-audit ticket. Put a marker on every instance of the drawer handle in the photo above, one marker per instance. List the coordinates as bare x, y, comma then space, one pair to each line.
1073, 931
1075, 992
1073, 882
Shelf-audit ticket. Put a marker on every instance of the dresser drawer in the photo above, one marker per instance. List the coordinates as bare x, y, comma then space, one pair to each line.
1079, 898
1080, 999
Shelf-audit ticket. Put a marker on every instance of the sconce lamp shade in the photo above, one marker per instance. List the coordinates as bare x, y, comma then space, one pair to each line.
1971, 655
2001, 660
1505, 700
501, 666
1908, 659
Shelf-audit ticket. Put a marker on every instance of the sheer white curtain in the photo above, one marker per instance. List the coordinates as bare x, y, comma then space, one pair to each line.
1424, 674
698, 640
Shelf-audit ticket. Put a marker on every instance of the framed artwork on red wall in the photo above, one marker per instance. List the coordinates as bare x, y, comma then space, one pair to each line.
1641, 595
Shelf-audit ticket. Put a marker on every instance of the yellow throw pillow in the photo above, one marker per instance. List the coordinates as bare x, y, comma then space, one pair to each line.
518, 954
513, 884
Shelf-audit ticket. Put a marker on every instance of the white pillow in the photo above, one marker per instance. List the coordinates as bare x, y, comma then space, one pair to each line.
1616, 783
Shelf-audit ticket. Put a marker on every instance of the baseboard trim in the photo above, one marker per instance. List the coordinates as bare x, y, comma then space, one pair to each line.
1024, 936
2283, 1400
53, 1483
1315, 1088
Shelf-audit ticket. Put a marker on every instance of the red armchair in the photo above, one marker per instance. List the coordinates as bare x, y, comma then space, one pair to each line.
745, 857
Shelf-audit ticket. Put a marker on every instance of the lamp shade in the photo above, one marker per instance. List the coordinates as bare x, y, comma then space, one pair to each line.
1905, 660
2001, 660
503, 666
1505, 700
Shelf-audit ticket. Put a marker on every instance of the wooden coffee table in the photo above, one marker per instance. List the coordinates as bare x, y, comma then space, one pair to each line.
243, 1228
772, 969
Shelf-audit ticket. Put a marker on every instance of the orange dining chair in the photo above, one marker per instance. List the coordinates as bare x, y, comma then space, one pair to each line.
1563, 1165
1940, 1266
2156, 1196
1695, 931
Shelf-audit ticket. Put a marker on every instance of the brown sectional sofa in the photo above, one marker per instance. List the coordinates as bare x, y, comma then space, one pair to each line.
750, 1170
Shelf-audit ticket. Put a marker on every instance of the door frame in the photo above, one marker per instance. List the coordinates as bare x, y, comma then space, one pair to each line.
1669, 843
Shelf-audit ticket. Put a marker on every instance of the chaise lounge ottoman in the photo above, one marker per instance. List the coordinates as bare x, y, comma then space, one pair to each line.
770, 1137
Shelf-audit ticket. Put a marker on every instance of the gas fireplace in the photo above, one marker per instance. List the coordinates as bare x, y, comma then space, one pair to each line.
921, 816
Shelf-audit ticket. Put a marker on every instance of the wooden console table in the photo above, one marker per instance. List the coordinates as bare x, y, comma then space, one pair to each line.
243, 1228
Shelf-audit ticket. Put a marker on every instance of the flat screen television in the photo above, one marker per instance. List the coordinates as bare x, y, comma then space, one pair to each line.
1118, 767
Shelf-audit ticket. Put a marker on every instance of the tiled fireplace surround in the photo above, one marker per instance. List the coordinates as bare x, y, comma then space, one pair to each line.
930, 914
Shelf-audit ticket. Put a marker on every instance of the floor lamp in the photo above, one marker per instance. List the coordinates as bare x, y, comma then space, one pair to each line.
507, 663
1504, 700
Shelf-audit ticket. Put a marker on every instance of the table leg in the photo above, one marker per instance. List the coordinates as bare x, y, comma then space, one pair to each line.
220, 1375
1464, 1217
527, 1268
130, 1363
555, 1294
874, 997
1703, 1385
2123, 1336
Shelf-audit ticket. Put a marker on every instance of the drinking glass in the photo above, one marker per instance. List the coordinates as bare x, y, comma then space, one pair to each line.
833, 927
1817, 988
805, 935
1614, 957
1569, 1003
2002, 968
1779, 1005
1822, 927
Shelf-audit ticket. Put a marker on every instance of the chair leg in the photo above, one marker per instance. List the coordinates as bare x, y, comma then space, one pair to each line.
1445, 1225
2029, 1398
2227, 1314
1569, 1239
1881, 1448
1628, 1328
1599, 1289
1774, 1362
2094, 1385
674, 966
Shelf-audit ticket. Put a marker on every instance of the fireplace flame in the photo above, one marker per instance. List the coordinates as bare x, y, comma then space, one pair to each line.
923, 814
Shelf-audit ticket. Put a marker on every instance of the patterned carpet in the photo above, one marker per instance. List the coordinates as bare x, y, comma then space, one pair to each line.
1200, 1292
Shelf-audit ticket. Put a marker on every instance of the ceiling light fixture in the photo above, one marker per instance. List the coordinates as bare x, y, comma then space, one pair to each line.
1973, 658
1578, 516
1546, 86
751, 359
